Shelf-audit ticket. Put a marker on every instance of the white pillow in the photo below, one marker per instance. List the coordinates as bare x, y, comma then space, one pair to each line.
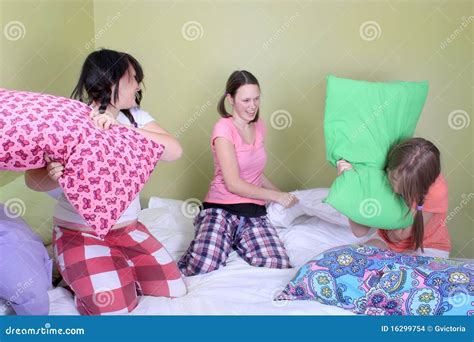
169, 214
281, 217
165, 220
310, 204
158, 202
304, 236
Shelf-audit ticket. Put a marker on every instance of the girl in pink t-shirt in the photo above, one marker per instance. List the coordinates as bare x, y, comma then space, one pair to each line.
234, 214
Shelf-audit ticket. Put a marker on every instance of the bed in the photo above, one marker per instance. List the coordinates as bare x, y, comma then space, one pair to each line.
238, 288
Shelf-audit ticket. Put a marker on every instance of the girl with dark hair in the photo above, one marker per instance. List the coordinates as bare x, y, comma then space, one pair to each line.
99, 82
414, 172
234, 214
110, 83
108, 274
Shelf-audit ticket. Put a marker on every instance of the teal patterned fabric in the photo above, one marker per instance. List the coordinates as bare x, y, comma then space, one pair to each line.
372, 281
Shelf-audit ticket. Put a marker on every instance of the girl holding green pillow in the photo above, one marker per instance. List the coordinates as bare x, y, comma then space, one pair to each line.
414, 172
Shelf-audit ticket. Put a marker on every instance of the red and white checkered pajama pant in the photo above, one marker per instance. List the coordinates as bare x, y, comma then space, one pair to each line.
108, 275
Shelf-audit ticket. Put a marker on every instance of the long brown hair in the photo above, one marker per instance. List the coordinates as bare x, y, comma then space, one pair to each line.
412, 167
236, 80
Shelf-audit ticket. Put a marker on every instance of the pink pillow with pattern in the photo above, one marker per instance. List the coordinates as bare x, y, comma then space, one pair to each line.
104, 169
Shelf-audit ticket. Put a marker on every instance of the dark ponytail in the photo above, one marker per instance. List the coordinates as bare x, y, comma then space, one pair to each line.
221, 107
101, 70
418, 227
236, 80
128, 113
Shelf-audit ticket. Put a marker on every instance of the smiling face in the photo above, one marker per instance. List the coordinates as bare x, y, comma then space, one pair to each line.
128, 87
246, 102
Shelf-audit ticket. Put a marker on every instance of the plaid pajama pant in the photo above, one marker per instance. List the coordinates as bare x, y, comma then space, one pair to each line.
108, 275
218, 232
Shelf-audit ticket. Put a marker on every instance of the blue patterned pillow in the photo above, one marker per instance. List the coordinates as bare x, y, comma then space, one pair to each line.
373, 281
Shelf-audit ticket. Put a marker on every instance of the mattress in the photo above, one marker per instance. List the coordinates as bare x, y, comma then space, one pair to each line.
237, 288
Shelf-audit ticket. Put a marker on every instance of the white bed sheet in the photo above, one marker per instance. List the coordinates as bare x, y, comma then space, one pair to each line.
238, 288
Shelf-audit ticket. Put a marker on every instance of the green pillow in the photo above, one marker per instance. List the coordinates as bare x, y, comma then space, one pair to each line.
362, 121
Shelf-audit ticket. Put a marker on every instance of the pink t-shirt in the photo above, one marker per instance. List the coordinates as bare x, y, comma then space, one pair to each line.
251, 160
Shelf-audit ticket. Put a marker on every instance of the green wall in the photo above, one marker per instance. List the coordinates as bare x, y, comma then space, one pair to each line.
188, 49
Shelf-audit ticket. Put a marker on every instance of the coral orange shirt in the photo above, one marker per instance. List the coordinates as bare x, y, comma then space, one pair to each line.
436, 232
